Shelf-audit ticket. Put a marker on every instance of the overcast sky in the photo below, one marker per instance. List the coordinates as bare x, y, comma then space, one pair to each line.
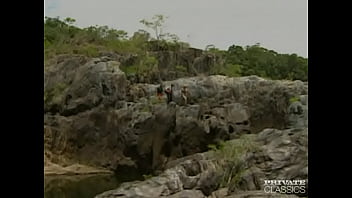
280, 25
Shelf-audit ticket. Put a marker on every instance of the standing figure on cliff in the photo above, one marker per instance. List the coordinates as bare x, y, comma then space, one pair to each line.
184, 94
169, 93
159, 91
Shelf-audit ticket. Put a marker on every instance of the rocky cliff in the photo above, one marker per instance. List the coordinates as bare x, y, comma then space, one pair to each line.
96, 117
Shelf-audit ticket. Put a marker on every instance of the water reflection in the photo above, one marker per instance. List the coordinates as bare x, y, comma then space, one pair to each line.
78, 186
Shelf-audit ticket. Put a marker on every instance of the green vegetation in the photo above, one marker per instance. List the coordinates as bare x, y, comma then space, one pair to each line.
154, 100
232, 154
133, 69
156, 25
147, 176
145, 109
294, 99
228, 70
256, 60
146, 65
181, 68
56, 91
63, 37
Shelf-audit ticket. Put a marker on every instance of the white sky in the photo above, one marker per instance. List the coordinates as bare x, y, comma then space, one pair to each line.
280, 25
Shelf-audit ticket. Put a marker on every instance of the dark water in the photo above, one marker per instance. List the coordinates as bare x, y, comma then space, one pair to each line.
78, 186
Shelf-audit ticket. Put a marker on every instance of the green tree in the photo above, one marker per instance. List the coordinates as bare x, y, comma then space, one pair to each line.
141, 35
113, 34
69, 21
156, 25
257, 60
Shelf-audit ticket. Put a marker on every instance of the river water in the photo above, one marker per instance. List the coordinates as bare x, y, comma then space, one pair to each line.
78, 186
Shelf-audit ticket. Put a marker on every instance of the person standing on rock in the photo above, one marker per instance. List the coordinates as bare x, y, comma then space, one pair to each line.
168, 92
159, 91
184, 94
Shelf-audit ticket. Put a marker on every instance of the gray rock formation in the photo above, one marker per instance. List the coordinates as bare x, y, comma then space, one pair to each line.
266, 101
96, 117
72, 87
280, 154
139, 135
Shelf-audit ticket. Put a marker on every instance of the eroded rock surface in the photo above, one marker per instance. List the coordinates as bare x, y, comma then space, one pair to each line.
280, 154
96, 117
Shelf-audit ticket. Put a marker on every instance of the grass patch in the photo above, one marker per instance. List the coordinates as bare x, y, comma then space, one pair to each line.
155, 100
294, 99
147, 176
130, 69
181, 68
145, 109
232, 154
51, 93
88, 50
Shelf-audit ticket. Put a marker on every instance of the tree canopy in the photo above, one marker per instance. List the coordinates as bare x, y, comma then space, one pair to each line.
63, 37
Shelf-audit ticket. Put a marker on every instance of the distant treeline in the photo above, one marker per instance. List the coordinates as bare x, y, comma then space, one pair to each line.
62, 37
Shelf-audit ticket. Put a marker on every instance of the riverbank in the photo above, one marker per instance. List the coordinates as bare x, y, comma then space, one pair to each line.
74, 169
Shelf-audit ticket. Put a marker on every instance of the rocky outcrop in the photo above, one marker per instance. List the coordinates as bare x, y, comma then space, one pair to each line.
171, 63
266, 102
136, 135
94, 116
279, 154
73, 86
